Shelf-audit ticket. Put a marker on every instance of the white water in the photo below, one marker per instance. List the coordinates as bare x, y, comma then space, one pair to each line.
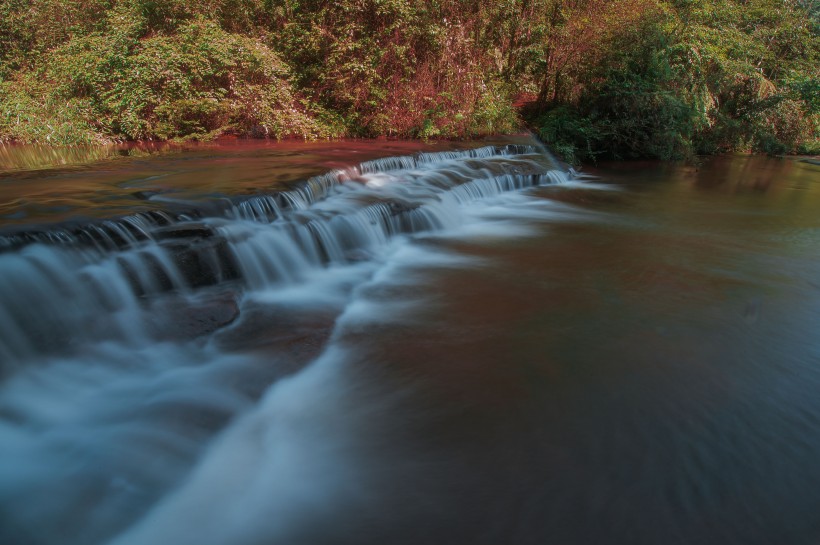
422, 354
322, 448
56, 295
105, 409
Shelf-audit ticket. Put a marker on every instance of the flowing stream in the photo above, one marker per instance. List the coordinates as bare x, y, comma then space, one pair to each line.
376, 342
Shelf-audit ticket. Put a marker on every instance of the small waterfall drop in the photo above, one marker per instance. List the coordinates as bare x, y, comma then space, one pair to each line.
67, 284
128, 343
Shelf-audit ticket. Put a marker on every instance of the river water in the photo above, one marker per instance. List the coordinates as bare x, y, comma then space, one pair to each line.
381, 342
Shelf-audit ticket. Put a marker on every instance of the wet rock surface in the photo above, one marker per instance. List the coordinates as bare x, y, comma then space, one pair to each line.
177, 319
279, 328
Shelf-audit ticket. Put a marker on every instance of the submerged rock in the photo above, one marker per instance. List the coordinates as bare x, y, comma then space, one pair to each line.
178, 318
183, 231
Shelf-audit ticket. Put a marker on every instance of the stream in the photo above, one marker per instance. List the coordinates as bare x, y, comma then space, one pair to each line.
371, 342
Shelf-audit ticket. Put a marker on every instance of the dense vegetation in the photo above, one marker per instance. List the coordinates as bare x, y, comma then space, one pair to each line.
624, 78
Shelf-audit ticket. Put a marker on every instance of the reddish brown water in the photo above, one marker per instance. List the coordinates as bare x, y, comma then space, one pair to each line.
631, 359
43, 184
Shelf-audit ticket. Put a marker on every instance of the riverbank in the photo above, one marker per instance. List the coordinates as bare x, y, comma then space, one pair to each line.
623, 79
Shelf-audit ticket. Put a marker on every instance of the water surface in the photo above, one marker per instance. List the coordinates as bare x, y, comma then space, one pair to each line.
630, 358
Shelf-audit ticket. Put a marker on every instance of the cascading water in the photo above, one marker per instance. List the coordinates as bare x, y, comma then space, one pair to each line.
60, 282
117, 362
454, 347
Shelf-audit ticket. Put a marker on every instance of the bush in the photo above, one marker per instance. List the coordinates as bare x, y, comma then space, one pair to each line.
199, 81
569, 134
626, 78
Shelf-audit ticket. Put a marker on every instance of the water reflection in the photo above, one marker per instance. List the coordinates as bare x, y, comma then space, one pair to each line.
39, 157
40, 183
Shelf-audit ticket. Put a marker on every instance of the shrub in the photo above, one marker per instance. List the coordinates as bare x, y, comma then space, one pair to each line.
197, 81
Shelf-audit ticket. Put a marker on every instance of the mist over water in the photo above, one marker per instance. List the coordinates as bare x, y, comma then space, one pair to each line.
459, 347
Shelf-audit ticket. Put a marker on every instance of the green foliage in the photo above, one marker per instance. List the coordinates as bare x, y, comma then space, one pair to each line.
29, 113
618, 78
395, 67
635, 104
569, 134
28, 28
753, 53
197, 81
697, 76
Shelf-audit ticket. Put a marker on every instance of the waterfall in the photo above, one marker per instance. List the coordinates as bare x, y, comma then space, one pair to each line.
68, 283
126, 344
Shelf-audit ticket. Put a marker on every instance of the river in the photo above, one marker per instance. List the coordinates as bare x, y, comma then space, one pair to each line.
397, 342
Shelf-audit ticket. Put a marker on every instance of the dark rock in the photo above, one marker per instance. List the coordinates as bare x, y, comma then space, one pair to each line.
205, 262
178, 318
144, 195
183, 230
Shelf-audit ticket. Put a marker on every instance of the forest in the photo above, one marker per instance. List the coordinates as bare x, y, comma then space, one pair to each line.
622, 79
